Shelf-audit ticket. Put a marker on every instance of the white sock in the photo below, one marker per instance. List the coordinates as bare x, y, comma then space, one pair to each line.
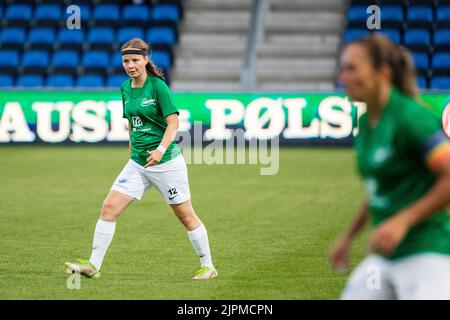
199, 239
104, 232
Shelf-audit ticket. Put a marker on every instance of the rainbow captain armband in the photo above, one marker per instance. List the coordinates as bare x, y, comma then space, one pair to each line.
437, 150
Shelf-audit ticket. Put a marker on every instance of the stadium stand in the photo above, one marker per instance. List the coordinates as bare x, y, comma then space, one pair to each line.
212, 45
423, 26
38, 49
299, 47
296, 49
205, 45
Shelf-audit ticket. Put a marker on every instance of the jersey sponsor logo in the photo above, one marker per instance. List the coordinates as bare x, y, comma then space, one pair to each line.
148, 102
376, 200
137, 122
381, 155
172, 193
144, 130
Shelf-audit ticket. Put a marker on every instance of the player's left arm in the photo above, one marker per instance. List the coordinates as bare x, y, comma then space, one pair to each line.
155, 156
170, 112
435, 153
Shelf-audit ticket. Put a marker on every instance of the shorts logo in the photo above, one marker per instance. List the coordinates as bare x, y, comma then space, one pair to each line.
147, 102
123, 180
173, 193
137, 122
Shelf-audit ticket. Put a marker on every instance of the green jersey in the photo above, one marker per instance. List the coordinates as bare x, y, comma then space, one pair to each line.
146, 108
397, 159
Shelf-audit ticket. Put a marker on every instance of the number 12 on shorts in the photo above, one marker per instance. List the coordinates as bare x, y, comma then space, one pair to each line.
172, 193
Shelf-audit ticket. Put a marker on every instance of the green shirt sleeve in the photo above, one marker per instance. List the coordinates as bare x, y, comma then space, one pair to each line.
423, 132
165, 99
420, 125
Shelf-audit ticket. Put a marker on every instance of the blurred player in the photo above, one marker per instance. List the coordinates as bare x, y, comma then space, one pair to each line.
404, 159
155, 161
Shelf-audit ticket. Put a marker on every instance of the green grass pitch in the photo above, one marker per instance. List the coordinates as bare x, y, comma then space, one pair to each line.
270, 235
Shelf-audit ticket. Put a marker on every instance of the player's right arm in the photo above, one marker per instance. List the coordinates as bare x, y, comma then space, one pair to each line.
339, 254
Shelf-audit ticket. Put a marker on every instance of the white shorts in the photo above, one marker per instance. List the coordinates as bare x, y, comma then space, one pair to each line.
424, 276
170, 179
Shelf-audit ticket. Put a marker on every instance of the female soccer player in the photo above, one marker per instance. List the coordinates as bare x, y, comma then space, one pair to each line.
155, 161
404, 159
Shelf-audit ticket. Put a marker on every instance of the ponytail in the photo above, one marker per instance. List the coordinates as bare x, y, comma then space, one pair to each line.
404, 73
154, 70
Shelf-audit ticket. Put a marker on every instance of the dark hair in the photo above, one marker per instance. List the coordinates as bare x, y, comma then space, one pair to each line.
150, 67
382, 51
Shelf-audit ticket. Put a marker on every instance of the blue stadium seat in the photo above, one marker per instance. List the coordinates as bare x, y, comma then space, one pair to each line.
136, 15
116, 62
70, 39
357, 15
442, 39
41, 38
12, 38
100, 38
125, 34
391, 2
392, 16
18, 14
65, 61
95, 62
166, 12
440, 83
161, 59
6, 80
30, 80
417, 39
48, 15
161, 35
420, 16
422, 82
393, 34
441, 63
106, 15
443, 16
92, 80
60, 81
354, 34
9, 61
35, 61
116, 80
421, 60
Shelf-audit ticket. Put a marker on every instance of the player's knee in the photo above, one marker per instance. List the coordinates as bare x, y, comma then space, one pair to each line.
108, 211
190, 221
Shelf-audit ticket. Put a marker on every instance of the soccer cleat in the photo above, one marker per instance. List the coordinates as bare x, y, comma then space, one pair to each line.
83, 267
205, 273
